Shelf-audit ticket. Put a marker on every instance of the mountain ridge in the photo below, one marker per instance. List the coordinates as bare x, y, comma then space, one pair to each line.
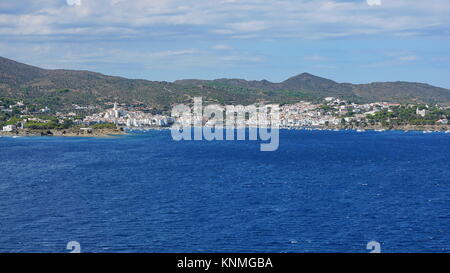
63, 88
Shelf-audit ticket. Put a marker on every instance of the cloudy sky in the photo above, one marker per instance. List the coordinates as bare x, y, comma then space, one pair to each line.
345, 40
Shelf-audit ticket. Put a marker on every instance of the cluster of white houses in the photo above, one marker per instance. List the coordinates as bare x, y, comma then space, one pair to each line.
305, 114
302, 114
122, 117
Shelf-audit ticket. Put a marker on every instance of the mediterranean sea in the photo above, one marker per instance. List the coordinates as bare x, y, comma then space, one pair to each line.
321, 191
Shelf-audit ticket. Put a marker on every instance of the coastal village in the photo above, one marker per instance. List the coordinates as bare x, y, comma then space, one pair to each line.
331, 113
128, 118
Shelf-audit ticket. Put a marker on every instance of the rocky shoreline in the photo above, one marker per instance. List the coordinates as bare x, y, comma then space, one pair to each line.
433, 128
67, 133
102, 133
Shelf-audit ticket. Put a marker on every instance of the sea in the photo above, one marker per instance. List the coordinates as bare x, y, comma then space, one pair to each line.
321, 191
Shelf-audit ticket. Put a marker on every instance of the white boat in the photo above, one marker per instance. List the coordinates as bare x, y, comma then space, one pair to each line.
427, 132
360, 130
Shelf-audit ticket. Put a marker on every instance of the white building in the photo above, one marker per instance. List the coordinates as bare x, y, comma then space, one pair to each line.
9, 128
421, 113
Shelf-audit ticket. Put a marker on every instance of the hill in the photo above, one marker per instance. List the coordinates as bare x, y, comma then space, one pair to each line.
62, 88
401, 92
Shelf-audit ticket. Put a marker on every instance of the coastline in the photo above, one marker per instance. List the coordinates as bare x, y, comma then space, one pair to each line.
107, 133
405, 128
96, 133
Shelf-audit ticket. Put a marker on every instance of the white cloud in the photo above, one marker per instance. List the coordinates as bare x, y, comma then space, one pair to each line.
408, 58
314, 58
222, 31
374, 2
250, 26
73, 2
222, 47
243, 19
241, 58
399, 58
174, 53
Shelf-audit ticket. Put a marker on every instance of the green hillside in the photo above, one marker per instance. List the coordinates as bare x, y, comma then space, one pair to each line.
60, 89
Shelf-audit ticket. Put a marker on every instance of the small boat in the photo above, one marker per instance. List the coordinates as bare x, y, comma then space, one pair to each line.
360, 130
427, 132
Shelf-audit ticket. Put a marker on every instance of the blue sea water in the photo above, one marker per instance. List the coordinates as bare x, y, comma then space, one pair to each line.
320, 192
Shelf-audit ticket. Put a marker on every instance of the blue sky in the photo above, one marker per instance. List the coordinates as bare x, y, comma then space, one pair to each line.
356, 41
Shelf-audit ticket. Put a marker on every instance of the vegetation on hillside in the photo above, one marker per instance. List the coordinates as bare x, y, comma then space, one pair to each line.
104, 126
403, 115
61, 89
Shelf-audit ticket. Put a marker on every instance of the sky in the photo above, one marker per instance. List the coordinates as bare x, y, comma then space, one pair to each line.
357, 41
